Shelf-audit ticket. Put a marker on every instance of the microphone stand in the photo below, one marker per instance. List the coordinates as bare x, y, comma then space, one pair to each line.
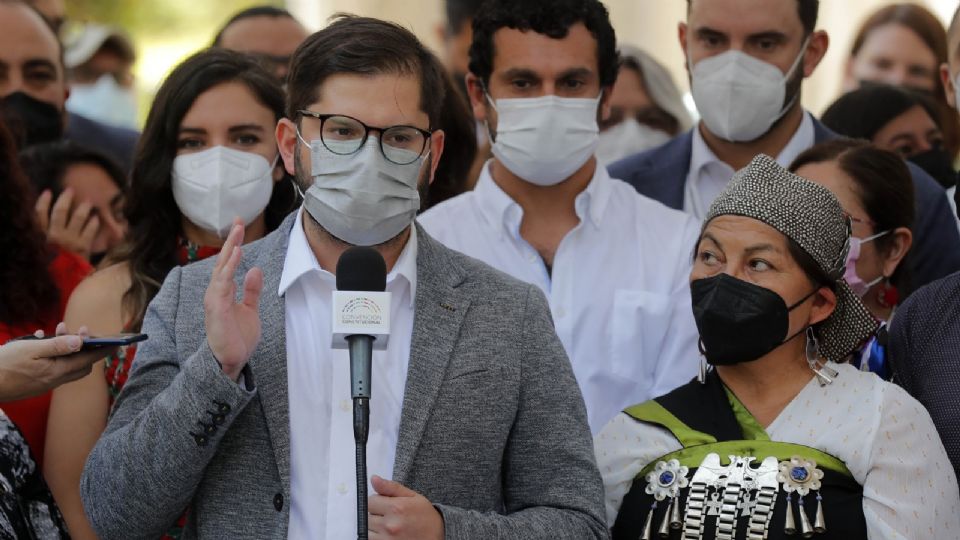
360, 388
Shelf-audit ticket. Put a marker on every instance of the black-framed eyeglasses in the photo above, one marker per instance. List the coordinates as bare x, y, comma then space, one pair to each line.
344, 135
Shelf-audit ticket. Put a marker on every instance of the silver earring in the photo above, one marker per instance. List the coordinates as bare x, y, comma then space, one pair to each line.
702, 375
825, 374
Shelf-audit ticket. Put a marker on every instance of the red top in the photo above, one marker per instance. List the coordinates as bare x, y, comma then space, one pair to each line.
30, 415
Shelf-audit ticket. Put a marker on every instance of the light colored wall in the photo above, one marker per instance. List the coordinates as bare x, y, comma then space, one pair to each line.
650, 24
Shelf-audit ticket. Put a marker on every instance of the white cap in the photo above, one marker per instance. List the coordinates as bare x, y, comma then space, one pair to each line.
81, 45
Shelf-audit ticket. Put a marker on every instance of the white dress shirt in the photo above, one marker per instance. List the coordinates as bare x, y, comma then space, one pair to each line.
618, 290
884, 437
708, 175
322, 458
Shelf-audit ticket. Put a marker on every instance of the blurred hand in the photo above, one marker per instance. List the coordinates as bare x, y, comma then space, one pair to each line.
73, 231
233, 328
399, 513
32, 366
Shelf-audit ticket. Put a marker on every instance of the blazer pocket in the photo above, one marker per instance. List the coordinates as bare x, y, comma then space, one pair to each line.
641, 319
468, 372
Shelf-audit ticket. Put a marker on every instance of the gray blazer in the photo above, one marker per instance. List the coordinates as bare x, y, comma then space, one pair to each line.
493, 429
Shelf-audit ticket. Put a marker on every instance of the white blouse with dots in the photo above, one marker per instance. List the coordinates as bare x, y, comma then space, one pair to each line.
884, 436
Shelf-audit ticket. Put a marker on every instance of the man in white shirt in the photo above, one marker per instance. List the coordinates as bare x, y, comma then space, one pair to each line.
613, 264
747, 60
238, 407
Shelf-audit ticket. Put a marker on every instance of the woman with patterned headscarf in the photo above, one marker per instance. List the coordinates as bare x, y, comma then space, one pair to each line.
779, 436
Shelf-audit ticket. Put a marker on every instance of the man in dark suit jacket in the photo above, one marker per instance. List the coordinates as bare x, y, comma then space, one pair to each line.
663, 173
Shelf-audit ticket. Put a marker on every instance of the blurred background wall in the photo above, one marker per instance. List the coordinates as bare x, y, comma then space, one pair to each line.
166, 31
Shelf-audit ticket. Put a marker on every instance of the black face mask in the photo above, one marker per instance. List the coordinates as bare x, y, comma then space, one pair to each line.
30, 120
739, 321
937, 164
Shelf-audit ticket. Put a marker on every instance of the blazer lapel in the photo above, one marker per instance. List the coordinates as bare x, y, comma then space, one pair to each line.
269, 364
438, 314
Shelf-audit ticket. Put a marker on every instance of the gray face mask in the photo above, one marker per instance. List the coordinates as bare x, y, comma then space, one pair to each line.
361, 198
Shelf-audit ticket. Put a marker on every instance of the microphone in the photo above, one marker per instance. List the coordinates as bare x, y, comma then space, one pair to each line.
361, 323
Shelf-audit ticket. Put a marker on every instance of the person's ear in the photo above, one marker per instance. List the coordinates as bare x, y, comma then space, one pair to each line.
948, 85
899, 246
288, 143
605, 103
436, 151
478, 100
682, 36
816, 49
824, 302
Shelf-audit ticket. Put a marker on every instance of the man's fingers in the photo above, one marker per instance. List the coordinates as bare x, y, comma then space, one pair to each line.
57, 346
61, 209
378, 505
252, 287
43, 209
234, 239
389, 488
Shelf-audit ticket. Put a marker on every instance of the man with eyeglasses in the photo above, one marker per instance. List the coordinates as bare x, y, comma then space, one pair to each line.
613, 264
475, 417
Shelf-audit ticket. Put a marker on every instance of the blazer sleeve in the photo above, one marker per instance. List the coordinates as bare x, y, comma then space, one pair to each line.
936, 249
552, 488
165, 428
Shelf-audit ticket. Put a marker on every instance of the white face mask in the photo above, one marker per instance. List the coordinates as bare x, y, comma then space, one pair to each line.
362, 198
627, 138
544, 140
104, 101
214, 186
739, 97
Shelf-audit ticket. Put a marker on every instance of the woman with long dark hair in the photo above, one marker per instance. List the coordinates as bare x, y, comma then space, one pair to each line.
207, 156
35, 280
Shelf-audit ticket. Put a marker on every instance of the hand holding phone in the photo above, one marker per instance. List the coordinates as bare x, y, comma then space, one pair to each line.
34, 364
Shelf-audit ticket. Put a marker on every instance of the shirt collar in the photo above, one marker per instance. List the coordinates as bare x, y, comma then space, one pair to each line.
300, 261
702, 156
504, 214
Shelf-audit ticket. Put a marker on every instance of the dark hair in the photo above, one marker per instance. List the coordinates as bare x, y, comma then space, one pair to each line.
883, 185
806, 9
363, 46
552, 19
459, 13
47, 164
459, 147
150, 209
250, 13
27, 289
861, 113
930, 30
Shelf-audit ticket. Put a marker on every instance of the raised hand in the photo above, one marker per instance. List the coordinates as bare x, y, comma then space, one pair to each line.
73, 231
233, 328
399, 513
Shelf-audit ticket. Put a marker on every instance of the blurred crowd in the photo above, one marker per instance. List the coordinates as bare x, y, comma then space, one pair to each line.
672, 241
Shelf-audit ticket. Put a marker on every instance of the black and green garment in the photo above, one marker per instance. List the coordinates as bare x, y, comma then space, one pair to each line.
730, 481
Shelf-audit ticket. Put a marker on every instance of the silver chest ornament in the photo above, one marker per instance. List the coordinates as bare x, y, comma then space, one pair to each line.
739, 490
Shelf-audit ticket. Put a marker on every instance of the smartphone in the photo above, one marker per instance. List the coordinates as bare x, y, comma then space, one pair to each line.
118, 340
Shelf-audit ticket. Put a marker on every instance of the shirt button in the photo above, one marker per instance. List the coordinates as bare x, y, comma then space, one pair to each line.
561, 312
278, 501
344, 405
342, 488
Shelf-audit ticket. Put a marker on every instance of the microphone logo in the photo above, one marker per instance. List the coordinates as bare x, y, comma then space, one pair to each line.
362, 311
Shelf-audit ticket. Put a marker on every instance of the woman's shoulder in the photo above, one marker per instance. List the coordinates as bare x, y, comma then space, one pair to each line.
100, 298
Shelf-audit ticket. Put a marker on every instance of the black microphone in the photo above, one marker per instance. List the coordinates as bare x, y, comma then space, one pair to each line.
361, 315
